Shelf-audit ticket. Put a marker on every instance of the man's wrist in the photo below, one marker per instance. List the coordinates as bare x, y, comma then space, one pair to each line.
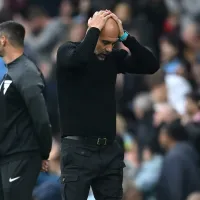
124, 36
97, 27
94, 27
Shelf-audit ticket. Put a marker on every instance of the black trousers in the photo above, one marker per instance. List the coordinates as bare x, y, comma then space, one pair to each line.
84, 165
18, 178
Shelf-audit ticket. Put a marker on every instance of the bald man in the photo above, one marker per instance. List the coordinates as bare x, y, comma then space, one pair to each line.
86, 76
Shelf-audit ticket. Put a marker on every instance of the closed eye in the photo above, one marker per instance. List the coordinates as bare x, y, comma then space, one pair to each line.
105, 42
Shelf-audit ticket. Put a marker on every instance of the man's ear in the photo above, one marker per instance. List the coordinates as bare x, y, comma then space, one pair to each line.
3, 40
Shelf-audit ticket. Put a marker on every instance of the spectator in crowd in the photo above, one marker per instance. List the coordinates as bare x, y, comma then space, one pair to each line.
170, 58
143, 110
43, 32
180, 174
146, 178
164, 113
84, 10
169, 88
192, 108
187, 10
177, 88
123, 136
192, 119
157, 88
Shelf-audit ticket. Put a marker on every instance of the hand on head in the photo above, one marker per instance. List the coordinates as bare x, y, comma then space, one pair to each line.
119, 23
99, 19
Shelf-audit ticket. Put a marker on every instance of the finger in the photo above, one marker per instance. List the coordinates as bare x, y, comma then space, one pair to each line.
106, 13
89, 20
108, 16
96, 13
45, 165
101, 12
119, 21
115, 17
44, 168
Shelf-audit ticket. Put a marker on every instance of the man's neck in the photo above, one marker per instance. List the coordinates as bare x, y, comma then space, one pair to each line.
13, 55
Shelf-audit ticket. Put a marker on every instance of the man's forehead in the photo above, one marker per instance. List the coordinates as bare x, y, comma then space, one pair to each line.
110, 39
110, 30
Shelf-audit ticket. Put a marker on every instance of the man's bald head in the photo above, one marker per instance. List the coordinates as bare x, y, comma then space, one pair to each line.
111, 29
108, 37
194, 196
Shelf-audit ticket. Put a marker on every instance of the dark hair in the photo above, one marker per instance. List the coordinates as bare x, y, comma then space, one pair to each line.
5, 15
172, 40
14, 31
175, 41
176, 130
153, 145
35, 11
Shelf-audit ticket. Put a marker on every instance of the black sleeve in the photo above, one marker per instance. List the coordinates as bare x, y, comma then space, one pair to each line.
141, 60
71, 55
31, 87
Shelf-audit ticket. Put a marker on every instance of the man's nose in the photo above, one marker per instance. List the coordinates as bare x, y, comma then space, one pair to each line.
109, 48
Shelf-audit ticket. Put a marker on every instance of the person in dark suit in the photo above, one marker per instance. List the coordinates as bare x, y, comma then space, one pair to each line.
180, 174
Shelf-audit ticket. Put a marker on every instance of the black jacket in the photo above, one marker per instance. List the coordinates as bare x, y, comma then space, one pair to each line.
24, 121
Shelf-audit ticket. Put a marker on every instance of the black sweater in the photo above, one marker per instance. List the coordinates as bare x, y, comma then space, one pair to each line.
86, 85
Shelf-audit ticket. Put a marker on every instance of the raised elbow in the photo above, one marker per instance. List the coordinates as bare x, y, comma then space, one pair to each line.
153, 63
154, 68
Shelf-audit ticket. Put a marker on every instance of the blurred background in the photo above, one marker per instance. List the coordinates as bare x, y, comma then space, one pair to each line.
171, 29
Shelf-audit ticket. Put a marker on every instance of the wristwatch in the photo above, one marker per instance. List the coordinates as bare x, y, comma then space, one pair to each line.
124, 36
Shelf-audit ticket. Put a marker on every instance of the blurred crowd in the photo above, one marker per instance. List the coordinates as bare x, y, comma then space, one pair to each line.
158, 116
